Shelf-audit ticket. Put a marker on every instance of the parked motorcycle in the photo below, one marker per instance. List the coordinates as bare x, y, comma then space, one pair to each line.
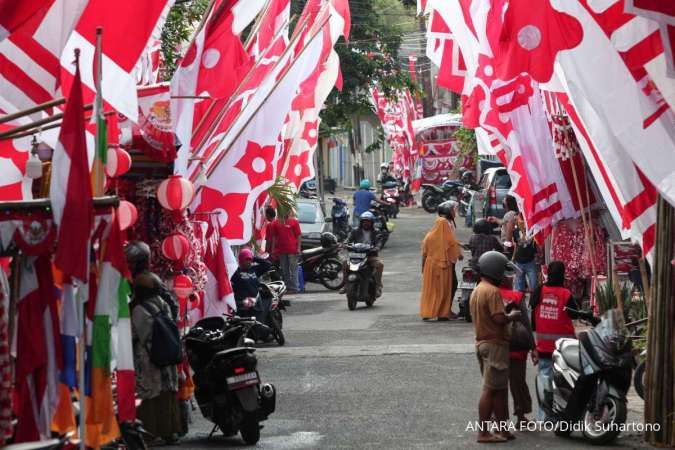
227, 383
382, 224
639, 375
467, 284
323, 264
266, 308
433, 195
340, 215
390, 196
591, 375
361, 286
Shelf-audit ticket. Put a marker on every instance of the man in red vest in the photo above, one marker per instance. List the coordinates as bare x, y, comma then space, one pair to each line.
550, 321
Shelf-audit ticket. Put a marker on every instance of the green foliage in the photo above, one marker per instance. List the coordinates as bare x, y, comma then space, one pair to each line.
178, 29
284, 197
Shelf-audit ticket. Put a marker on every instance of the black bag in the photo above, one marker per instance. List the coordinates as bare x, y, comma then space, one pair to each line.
521, 338
164, 347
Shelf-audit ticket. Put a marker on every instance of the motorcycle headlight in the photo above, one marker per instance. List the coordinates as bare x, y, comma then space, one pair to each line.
351, 277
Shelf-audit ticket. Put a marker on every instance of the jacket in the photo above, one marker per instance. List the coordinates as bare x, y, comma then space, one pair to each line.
551, 321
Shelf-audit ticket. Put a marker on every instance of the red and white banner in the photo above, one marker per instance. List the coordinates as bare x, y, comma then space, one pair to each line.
14, 13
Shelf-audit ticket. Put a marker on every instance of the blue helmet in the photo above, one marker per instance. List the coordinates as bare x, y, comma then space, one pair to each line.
365, 184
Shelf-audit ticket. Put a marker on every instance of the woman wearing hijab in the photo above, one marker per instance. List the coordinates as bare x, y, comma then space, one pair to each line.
440, 250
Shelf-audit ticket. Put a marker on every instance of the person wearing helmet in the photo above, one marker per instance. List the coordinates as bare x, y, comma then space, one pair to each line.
366, 234
481, 241
440, 252
385, 174
491, 325
362, 200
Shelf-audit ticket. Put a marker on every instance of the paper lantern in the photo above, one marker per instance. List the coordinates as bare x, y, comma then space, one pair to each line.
126, 214
119, 162
175, 193
175, 247
182, 285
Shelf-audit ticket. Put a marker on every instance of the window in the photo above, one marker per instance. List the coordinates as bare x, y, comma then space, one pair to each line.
308, 212
502, 180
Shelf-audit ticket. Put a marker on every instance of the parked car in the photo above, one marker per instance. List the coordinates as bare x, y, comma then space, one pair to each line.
313, 222
495, 184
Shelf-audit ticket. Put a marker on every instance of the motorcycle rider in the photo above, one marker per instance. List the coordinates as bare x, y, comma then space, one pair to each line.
366, 234
362, 200
245, 283
385, 174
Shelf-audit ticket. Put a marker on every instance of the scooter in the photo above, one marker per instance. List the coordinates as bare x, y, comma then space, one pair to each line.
390, 196
266, 308
340, 215
466, 285
361, 286
227, 383
323, 265
591, 375
382, 224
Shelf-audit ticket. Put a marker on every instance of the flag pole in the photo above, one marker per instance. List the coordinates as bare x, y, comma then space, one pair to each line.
101, 138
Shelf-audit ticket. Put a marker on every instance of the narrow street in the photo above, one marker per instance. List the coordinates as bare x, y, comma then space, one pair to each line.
378, 377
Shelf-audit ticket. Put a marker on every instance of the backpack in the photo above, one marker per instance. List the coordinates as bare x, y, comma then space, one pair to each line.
165, 334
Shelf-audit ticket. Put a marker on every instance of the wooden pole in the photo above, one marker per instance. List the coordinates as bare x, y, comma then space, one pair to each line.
660, 393
33, 131
32, 110
98, 169
587, 230
256, 26
37, 124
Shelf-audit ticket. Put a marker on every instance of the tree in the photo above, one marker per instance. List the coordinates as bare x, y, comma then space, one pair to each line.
183, 18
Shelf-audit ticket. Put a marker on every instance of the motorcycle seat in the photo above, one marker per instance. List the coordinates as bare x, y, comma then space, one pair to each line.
313, 251
233, 351
569, 350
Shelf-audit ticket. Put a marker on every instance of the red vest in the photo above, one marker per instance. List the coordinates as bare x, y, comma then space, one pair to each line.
551, 319
515, 297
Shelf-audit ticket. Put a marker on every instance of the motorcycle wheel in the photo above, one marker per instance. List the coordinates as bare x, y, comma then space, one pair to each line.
466, 295
352, 298
250, 432
430, 203
614, 413
370, 301
332, 275
277, 333
638, 379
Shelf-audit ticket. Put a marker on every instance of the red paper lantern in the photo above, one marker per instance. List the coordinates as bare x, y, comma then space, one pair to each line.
126, 214
175, 193
119, 162
182, 285
175, 247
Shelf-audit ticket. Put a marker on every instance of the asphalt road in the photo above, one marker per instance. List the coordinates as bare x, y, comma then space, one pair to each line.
378, 377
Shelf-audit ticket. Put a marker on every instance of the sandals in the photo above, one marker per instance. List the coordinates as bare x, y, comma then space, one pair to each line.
491, 439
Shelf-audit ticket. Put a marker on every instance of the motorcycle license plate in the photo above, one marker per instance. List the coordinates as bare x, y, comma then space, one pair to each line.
353, 255
243, 380
466, 285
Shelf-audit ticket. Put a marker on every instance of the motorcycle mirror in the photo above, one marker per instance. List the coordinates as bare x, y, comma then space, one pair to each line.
248, 342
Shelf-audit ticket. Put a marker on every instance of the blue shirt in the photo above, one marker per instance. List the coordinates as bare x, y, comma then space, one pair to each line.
362, 200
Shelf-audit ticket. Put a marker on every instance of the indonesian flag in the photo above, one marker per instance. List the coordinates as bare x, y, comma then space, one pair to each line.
220, 265
70, 189
129, 27
444, 52
14, 13
14, 154
276, 20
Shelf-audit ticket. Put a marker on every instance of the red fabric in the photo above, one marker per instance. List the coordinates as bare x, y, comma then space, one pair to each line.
285, 235
515, 297
551, 317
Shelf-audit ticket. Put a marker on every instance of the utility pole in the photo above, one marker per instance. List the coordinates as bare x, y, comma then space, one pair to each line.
428, 100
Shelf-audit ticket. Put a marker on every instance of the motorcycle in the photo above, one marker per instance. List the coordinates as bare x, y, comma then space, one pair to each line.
382, 224
361, 286
590, 378
228, 388
323, 265
340, 215
639, 375
435, 195
62, 442
267, 309
390, 196
467, 284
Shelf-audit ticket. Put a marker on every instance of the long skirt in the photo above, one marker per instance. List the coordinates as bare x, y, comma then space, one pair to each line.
161, 415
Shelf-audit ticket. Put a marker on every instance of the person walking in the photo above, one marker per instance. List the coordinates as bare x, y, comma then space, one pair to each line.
362, 200
440, 250
481, 241
520, 346
550, 320
286, 244
491, 325
157, 387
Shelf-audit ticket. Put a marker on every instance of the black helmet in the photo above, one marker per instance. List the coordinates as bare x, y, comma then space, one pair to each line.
328, 240
482, 226
494, 265
138, 256
447, 209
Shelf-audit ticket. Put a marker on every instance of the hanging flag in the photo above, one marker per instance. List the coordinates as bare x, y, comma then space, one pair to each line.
70, 189
64, 419
218, 294
129, 27
276, 20
15, 13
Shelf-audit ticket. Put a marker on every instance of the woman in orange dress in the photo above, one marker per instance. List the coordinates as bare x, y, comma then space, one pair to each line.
440, 250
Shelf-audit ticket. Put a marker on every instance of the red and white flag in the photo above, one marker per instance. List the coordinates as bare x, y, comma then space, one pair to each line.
220, 266
14, 13
70, 189
444, 52
129, 28
275, 21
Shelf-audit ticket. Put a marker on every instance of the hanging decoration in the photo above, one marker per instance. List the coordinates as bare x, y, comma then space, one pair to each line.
175, 193
127, 214
175, 247
119, 162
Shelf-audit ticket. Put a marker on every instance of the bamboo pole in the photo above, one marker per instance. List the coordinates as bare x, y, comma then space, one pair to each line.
256, 26
32, 110
37, 124
587, 230
98, 169
660, 394
33, 131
